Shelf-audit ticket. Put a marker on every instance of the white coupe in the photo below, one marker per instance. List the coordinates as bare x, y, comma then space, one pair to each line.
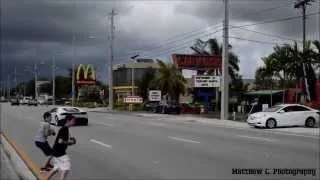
58, 115
285, 115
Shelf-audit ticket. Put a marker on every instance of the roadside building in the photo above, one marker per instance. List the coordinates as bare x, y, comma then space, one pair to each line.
122, 76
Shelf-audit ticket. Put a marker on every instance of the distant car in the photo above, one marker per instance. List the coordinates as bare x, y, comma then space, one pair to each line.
150, 106
25, 100
32, 102
58, 115
285, 115
15, 102
169, 109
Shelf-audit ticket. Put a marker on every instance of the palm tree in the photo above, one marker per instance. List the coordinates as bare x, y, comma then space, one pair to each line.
216, 49
263, 77
170, 80
316, 57
145, 83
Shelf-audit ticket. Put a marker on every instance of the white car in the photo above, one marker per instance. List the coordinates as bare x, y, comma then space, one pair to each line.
58, 115
25, 100
285, 115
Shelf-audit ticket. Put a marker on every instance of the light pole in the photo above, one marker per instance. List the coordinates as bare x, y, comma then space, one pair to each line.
225, 72
110, 62
53, 80
132, 75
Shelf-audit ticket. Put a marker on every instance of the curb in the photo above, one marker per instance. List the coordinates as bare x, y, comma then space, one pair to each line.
21, 162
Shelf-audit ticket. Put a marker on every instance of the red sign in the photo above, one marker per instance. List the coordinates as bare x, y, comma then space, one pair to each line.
186, 61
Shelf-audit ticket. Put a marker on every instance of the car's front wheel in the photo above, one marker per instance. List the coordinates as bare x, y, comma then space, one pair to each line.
271, 123
310, 122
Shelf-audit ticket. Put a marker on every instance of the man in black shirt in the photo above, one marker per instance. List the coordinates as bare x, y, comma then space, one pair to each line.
60, 158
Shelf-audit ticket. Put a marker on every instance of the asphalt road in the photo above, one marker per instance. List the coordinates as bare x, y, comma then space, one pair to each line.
124, 146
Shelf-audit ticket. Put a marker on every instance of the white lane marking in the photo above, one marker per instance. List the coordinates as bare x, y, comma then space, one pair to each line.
101, 143
155, 162
183, 140
258, 138
156, 124
105, 124
274, 131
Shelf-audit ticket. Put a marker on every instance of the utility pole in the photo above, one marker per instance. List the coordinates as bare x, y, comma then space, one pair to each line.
225, 61
15, 79
110, 62
54, 79
73, 68
8, 86
132, 74
35, 81
302, 4
319, 20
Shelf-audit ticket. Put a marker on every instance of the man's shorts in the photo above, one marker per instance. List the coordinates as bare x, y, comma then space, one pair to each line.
45, 147
62, 163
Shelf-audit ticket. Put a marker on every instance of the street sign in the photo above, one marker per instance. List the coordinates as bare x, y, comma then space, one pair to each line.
133, 100
154, 95
207, 81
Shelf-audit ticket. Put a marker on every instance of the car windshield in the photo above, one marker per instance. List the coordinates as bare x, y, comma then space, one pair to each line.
71, 109
273, 109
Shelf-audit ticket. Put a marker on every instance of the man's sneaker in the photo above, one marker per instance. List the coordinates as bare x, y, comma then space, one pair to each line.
45, 169
50, 166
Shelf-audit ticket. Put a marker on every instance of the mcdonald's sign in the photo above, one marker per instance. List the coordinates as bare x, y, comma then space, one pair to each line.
85, 74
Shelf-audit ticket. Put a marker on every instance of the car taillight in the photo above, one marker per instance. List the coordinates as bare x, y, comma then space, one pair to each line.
83, 113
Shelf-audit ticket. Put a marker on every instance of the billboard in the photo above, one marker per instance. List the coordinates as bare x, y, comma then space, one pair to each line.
154, 95
206, 81
85, 74
186, 61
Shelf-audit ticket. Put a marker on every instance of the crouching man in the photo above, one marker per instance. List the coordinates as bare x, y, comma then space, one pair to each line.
61, 160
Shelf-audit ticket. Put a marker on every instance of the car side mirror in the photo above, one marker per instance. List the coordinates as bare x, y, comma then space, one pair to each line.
281, 111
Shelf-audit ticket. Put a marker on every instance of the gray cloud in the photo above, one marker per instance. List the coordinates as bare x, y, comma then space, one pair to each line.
36, 29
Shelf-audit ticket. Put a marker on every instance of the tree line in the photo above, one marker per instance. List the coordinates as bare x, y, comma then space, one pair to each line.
288, 64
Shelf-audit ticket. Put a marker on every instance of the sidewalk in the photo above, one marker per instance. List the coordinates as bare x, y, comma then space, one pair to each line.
6, 170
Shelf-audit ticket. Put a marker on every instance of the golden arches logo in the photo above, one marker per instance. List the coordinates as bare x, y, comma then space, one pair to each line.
88, 72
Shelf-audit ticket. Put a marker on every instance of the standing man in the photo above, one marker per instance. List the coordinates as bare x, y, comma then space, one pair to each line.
60, 158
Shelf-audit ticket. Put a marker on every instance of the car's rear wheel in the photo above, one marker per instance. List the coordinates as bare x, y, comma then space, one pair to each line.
310, 122
271, 123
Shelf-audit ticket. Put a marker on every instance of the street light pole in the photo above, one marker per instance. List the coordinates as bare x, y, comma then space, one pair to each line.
110, 62
225, 66
72, 79
132, 75
54, 79
8, 86
35, 81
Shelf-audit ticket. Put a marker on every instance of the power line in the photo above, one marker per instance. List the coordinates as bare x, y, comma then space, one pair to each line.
276, 20
256, 41
186, 44
174, 40
266, 10
217, 25
259, 23
267, 34
188, 40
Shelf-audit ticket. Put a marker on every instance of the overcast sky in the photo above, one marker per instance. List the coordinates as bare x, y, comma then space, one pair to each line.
34, 30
